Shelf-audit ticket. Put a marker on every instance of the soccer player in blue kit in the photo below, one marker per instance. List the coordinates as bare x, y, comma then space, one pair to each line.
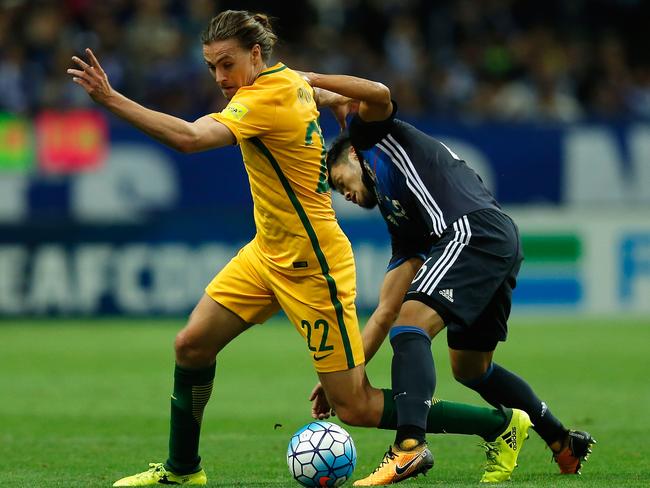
454, 265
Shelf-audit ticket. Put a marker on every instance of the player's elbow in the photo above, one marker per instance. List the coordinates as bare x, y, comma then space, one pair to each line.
382, 93
187, 140
184, 148
186, 144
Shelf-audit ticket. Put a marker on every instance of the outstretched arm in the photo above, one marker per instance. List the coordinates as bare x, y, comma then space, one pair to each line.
374, 98
204, 133
396, 284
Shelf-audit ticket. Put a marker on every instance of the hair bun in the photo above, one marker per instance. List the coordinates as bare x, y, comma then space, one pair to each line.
263, 19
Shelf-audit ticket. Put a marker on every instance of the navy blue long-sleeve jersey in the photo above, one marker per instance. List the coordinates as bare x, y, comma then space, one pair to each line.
421, 185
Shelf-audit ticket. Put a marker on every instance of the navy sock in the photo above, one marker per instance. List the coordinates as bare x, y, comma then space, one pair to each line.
498, 386
414, 381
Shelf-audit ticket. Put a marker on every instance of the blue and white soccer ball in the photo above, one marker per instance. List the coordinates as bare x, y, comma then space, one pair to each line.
321, 454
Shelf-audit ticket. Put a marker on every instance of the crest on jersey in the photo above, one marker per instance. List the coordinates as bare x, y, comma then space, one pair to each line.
235, 111
304, 96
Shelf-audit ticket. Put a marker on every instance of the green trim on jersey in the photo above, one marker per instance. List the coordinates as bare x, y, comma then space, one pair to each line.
264, 73
331, 284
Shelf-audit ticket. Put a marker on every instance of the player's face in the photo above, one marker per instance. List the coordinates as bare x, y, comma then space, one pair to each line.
348, 180
231, 65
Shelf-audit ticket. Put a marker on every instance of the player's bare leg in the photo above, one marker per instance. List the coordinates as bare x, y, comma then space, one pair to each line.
351, 396
209, 329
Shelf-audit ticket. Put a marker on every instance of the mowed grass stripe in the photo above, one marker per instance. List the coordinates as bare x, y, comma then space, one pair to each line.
86, 402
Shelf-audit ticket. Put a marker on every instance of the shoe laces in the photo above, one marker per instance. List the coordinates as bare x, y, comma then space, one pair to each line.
389, 456
157, 468
491, 453
161, 471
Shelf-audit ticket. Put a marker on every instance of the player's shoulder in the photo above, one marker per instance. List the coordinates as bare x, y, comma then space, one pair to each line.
365, 134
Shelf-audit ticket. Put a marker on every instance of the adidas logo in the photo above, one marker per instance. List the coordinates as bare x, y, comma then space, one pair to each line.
510, 438
448, 293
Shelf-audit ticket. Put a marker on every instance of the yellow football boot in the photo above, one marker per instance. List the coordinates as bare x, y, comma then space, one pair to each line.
502, 453
157, 474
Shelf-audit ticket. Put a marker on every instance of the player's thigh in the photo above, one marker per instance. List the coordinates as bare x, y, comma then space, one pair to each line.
242, 287
321, 307
475, 342
352, 397
416, 313
236, 298
466, 268
209, 329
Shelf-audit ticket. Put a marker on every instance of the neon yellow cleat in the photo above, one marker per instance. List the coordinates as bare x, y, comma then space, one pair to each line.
502, 453
399, 465
157, 474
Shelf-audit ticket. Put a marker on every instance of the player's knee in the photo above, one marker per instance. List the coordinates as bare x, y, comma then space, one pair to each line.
189, 352
348, 416
353, 415
469, 367
416, 314
462, 373
469, 376
460, 377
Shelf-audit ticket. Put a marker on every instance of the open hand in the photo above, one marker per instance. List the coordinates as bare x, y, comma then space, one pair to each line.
342, 109
92, 78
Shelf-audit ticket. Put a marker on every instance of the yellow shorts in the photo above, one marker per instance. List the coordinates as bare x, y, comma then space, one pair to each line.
320, 306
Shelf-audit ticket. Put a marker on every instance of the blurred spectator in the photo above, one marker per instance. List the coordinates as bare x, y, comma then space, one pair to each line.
508, 60
13, 82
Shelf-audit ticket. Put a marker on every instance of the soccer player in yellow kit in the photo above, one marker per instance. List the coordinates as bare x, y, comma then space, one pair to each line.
299, 261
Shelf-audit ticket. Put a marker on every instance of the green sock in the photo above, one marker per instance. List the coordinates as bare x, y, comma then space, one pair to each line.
192, 388
453, 418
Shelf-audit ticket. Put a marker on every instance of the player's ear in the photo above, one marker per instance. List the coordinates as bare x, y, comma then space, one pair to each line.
256, 52
352, 154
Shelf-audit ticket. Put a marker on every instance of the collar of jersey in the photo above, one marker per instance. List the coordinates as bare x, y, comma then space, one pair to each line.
273, 69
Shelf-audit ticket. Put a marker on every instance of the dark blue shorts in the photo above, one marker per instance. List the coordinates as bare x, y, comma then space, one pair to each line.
468, 278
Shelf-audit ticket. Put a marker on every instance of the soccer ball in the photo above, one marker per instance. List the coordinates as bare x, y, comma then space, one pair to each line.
321, 454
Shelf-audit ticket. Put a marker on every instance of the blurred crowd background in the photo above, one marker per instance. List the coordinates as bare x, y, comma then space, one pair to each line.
548, 100
506, 60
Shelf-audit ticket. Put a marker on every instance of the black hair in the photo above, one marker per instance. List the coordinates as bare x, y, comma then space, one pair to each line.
339, 147
335, 155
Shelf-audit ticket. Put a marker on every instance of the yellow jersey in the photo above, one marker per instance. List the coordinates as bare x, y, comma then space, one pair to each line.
275, 122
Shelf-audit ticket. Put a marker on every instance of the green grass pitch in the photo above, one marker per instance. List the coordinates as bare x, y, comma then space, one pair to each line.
83, 403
